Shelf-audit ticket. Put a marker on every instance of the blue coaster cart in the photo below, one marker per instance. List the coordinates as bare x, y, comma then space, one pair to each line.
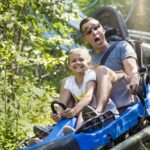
108, 133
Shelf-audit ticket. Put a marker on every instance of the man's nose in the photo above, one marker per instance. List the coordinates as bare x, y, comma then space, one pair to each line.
93, 31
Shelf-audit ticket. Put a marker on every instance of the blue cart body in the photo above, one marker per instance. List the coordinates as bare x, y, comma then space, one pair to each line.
98, 137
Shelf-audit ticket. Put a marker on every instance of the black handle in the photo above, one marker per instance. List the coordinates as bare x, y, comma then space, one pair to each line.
59, 103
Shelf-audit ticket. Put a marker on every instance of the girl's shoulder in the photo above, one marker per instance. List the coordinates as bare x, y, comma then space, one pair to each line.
90, 71
70, 78
90, 74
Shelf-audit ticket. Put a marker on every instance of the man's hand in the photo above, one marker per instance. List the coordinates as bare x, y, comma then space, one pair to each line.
134, 83
131, 69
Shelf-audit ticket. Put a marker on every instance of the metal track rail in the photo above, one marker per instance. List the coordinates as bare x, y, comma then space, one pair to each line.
135, 142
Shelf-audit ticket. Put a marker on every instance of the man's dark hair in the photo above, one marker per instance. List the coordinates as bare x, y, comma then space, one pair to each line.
85, 20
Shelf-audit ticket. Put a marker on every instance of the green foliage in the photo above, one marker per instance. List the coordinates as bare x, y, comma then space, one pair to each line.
31, 66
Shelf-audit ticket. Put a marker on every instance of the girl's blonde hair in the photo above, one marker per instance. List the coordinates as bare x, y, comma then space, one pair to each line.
83, 51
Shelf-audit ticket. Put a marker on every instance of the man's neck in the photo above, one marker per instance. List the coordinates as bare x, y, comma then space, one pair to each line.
101, 49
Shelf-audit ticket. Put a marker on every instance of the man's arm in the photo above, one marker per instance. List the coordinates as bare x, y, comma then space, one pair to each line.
131, 69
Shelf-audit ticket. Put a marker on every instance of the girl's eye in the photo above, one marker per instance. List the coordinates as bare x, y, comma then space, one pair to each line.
73, 60
81, 59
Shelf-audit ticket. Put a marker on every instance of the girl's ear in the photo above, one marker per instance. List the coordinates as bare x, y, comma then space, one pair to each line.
90, 65
67, 63
68, 66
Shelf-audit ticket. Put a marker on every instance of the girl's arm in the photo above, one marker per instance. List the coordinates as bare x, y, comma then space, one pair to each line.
86, 100
65, 97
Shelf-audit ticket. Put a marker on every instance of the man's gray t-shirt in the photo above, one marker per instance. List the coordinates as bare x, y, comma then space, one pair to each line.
114, 61
120, 94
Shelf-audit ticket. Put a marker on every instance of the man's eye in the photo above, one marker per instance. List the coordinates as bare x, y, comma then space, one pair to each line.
96, 27
87, 31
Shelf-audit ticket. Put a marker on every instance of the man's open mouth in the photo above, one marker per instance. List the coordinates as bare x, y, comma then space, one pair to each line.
97, 39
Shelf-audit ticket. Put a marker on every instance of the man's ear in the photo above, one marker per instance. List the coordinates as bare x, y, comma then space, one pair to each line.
103, 30
85, 41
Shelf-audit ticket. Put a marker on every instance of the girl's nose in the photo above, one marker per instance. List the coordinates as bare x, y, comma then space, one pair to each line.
78, 62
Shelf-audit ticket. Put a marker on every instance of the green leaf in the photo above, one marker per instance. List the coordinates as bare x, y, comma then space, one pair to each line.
39, 92
10, 25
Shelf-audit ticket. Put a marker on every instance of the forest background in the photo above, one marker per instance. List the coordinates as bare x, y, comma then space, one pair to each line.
32, 66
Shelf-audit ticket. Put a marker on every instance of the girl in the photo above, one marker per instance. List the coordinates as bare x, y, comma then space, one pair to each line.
81, 86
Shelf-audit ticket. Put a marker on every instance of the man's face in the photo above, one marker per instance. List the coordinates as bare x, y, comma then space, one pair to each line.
94, 34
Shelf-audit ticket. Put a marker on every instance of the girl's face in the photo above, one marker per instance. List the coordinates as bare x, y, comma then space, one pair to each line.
78, 62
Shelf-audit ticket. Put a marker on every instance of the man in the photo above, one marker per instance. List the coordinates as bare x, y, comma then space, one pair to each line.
119, 78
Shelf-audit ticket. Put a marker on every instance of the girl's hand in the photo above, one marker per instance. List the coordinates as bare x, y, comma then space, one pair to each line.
69, 113
55, 117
